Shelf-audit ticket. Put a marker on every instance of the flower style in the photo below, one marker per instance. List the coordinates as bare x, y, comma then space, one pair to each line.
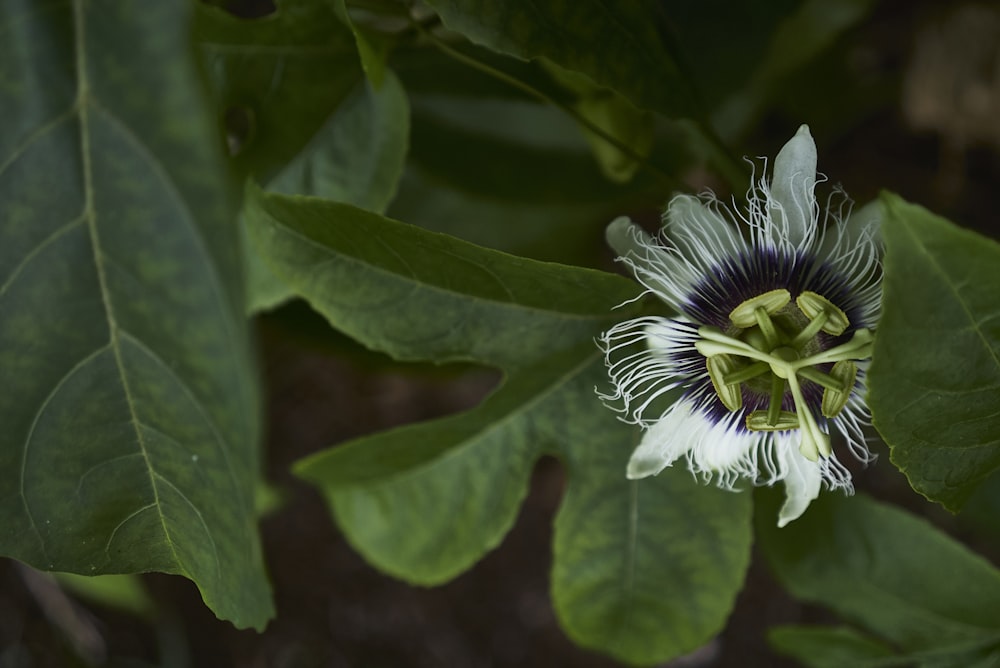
769, 351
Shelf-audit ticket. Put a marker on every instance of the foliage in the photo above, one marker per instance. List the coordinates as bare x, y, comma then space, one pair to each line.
432, 180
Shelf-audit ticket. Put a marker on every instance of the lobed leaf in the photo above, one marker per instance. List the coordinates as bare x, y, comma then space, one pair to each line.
426, 501
935, 375
130, 399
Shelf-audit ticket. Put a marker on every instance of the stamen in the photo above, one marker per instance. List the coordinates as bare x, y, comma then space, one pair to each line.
811, 329
777, 394
812, 304
817, 376
719, 366
858, 348
845, 373
715, 342
746, 373
814, 441
766, 327
761, 421
744, 315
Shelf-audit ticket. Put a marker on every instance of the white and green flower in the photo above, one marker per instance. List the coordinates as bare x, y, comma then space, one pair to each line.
777, 307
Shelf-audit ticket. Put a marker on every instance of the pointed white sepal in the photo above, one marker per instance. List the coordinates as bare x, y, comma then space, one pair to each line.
802, 483
793, 198
663, 443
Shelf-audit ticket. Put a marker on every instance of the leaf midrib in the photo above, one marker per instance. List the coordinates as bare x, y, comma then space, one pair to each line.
90, 217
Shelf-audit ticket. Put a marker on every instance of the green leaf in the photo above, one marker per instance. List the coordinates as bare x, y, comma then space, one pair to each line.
356, 157
419, 295
373, 49
935, 375
644, 570
887, 571
619, 45
834, 647
426, 501
276, 79
129, 410
830, 647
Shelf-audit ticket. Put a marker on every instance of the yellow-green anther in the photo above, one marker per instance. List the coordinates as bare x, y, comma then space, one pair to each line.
845, 373
746, 373
777, 394
812, 305
744, 315
820, 378
761, 421
720, 366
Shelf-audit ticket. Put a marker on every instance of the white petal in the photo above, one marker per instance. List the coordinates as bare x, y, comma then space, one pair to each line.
862, 229
664, 442
865, 223
698, 230
625, 237
641, 252
659, 269
802, 483
792, 192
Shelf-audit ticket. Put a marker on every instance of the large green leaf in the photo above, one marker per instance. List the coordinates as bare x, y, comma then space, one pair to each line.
420, 295
129, 407
935, 376
887, 571
277, 79
647, 569
644, 570
425, 502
